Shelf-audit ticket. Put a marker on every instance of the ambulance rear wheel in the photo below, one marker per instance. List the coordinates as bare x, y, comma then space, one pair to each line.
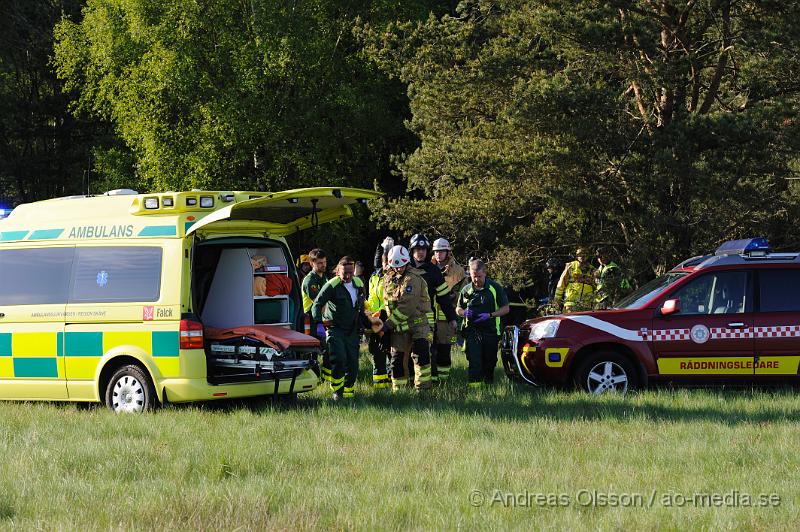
130, 390
606, 372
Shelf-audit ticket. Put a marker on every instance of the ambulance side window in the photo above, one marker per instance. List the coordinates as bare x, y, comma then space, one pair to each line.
35, 276
116, 274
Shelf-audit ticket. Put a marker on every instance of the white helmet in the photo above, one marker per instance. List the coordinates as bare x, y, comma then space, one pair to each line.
441, 244
398, 257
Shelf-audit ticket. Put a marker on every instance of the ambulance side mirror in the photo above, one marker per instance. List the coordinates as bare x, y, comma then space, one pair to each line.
670, 306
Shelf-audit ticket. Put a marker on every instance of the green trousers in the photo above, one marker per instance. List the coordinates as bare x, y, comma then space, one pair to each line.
343, 355
481, 350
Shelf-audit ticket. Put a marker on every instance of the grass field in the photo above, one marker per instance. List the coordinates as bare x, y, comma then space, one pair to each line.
451, 459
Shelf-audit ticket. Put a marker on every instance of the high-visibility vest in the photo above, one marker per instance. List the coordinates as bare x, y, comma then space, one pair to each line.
375, 301
579, 285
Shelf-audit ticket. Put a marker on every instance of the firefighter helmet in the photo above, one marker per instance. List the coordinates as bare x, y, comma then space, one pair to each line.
419, 241
441, 244
398, 257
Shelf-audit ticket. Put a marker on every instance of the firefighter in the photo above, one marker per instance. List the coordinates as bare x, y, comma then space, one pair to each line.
576, 287
438, 292
482, 301
379, 344
312, 284
340, 307
445, 334
303, 267
611, 284
409, 313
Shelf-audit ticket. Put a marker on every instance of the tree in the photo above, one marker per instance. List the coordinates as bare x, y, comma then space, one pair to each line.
658, 127
233, 94
44, 150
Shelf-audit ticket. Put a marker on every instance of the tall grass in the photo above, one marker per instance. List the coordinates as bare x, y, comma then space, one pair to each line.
406, 461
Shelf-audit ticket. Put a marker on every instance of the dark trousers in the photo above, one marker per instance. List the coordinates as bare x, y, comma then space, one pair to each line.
343, 355
440, 361
325, 364
481, 349
380, 349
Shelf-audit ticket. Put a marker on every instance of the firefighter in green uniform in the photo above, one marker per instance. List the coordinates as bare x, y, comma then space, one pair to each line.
409, 312
340, 307
481, 302
576, 287
312, 284
611, 283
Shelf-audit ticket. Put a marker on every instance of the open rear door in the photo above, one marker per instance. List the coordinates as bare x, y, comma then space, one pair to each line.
287, 212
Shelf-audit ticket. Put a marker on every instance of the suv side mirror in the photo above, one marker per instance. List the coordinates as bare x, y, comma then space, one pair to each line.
670, 306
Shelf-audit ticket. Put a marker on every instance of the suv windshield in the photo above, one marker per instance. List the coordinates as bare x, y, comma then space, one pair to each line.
650, 290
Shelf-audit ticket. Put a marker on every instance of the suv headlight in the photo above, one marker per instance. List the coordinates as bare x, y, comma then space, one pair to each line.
544, 329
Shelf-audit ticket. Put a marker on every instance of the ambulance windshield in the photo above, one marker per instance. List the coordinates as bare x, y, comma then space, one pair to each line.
647, 292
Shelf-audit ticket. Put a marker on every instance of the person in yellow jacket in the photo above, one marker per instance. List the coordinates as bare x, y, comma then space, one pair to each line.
379, 344
408, 309
576, 287
455, 277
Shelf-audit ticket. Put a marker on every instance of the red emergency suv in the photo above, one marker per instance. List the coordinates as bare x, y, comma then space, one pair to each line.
731, 315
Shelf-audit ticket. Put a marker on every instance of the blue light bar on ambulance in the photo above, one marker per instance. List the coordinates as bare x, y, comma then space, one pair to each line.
753, 247
4, 213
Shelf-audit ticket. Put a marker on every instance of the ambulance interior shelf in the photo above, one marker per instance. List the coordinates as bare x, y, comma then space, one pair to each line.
246, 285
270, 294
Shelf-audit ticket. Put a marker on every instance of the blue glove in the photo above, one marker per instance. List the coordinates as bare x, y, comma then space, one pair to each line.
320, 330
483, 316
469, 313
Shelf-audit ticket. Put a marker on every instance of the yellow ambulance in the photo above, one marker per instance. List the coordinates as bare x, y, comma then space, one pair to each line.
110, 298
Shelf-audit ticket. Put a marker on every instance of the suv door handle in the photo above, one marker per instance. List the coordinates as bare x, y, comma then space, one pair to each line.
736, 324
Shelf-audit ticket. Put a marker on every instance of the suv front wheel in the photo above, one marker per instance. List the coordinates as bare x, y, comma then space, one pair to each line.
606, 372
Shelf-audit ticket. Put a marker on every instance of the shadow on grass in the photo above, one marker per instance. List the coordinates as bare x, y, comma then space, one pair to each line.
508, 400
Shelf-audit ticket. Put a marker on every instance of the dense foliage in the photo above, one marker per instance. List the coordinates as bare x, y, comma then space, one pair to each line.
661, 128
45, 150
518, 129
227, 94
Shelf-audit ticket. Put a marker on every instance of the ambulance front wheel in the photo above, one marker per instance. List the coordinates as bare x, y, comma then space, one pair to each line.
130, 390
606, 372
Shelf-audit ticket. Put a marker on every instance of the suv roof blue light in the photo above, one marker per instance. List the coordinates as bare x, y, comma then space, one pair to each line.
744, 246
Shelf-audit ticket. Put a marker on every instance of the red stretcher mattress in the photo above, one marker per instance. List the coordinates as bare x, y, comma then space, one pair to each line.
272, 335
